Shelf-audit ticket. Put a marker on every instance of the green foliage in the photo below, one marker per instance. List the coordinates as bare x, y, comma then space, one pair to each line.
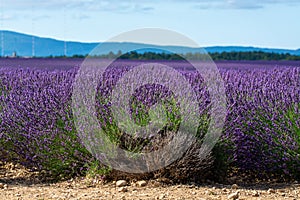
64, 144
141, 117
251, 55
221, 162
292, 116
217, 56
95, 169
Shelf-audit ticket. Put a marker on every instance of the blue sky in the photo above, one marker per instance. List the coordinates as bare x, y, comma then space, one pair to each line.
260, 23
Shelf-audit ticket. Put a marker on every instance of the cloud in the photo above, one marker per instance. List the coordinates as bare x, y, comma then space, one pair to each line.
41, 17
7, 17
42, 4
239, 4
127, 6
114, 6
81, 16
83, 5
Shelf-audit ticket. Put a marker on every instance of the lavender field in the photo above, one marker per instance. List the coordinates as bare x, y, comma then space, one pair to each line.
261, 133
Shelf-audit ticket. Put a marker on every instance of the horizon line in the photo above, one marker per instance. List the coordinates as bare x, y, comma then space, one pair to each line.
206, 46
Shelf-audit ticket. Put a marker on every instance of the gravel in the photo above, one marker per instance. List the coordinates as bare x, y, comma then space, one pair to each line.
18, 183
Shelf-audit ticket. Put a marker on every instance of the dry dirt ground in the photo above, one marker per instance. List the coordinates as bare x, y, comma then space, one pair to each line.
18, 183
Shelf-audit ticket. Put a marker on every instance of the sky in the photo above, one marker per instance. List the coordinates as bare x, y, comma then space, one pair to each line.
259, 23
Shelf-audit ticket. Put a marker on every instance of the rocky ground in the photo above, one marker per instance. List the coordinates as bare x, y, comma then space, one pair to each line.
16, 182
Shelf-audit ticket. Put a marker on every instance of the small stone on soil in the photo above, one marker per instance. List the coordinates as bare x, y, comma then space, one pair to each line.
141, 183
234, 186
233, 196
122, 189
271, 191
255, 194
121, 183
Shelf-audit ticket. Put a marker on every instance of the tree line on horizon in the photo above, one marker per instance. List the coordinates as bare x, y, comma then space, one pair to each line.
216, 56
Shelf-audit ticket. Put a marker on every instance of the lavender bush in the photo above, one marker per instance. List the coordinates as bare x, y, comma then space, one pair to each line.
36, 121
263, 120
261, 132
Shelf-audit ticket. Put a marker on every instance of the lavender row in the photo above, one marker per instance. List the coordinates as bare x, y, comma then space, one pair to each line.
261, 131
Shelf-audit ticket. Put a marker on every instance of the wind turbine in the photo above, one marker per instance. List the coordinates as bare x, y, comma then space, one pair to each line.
65, 42
32, 27
2, 32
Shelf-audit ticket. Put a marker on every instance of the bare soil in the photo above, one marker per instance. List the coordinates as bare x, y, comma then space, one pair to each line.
16, 182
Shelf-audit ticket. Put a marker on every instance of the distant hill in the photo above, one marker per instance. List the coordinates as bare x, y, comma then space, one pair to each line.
22, 45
